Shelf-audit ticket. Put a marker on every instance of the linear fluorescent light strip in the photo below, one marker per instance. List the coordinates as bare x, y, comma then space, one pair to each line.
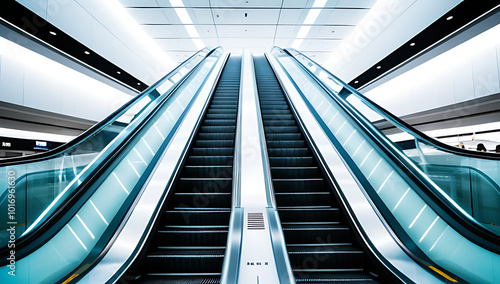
310, 19
187, 22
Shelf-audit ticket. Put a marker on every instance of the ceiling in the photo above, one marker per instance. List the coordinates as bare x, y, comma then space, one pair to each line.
254, 24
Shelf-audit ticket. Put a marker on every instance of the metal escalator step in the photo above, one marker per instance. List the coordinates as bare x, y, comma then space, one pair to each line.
287, 199
198, 218
208, 171
309, 214
275, 107
224, 107
291, 161
210, 160
275, 111
295, 172
266, 117
213, 143
215, 136
283, 136
185, 261
219, 122
166, 278
326, 256
193, 237
353, 276
224, 101
298, 185
279, 122
205, 185
218, 129
202, 200
227, 110
316, 233
212, 151
220, 116
281, 129
286, 144
288, 152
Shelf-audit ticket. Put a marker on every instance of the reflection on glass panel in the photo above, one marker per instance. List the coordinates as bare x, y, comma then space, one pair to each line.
73, 242
39, 182
469, 181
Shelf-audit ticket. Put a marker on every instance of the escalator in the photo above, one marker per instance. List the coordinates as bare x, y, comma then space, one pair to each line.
320, 243
44, 181
82, 222
432, 228
190, 238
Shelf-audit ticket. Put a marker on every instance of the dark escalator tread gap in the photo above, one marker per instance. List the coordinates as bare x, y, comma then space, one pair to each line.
211, 160
191, 279
333, 277
313, 228
319, 233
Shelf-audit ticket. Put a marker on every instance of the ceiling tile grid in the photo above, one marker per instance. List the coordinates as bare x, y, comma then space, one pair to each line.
254, 24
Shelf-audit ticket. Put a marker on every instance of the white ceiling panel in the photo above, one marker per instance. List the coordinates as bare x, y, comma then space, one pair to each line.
346, 16
293, 16
187, 3
171, 16
315, 31
246, 4
355, 3
298, 16
253, 16
254, 31
332, 31
176, 44
201, 16
253, 24
139, 3
166, 31
183, 44
178, 31
307, 3
148, 16
246, 42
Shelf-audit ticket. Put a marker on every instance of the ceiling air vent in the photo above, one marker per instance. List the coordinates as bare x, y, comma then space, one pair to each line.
255, 221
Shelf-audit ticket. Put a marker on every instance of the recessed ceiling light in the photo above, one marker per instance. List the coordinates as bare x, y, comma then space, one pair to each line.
355, 82
449, 18
86, 52
378, 67
138, 84
412, 44
52, 33
118, 72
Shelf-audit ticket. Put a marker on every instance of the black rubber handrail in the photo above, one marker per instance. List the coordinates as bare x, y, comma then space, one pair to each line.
38, 236
96, 128
467, 226
108, 238
399, 123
